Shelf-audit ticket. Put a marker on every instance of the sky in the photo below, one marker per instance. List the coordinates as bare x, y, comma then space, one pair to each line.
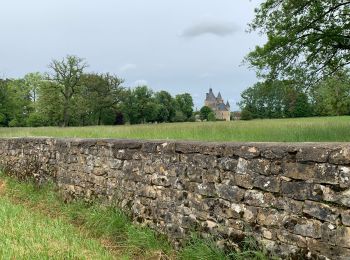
174, 45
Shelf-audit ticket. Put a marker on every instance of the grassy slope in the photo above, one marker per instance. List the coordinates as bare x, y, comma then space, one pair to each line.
315, 129
36, 224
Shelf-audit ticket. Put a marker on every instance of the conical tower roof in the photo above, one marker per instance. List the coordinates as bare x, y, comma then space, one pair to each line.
210, 95
219, 96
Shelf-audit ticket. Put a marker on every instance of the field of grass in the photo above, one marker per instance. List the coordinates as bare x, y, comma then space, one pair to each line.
316, 129
37, 224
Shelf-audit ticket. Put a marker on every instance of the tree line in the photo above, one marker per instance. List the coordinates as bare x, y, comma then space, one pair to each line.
69, 96
303, 66
286, 98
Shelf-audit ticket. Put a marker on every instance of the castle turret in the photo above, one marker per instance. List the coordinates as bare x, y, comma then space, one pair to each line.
219, 98
227, 104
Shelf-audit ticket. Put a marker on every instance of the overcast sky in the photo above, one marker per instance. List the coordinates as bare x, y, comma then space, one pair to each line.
174, 45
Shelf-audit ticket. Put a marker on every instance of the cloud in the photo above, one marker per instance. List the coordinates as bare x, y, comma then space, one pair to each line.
217, 28
126, 67
140, 82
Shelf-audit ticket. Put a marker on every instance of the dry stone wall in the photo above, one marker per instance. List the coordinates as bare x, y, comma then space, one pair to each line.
293, 198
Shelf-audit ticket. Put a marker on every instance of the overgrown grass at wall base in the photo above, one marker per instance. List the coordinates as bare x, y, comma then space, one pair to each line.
316, 129
38, 224
108, 225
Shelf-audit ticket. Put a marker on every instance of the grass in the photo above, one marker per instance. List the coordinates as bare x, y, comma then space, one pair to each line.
37, 224
315, 129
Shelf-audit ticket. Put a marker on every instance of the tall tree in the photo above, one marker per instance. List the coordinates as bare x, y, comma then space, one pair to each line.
33, 82
274, 99
305, 37
139, 106
166, 106
332, 96
204, 113
67, 74
103, 93
184, 103
6, 103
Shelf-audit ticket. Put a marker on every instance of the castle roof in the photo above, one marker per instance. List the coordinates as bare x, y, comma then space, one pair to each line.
227, 104
222, 107
219, 96
210, 95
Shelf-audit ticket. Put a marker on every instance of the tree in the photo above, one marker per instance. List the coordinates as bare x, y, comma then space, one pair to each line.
138, 105
49, 105
33, 81
304, 38
204, 113
6, 103
166, 106
102, 94
184, 103
274, 99
67, 74
332, 96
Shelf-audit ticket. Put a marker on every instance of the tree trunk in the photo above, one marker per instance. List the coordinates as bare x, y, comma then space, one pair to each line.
99, 117
65, 114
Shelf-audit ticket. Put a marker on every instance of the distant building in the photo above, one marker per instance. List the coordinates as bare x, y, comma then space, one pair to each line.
221, 110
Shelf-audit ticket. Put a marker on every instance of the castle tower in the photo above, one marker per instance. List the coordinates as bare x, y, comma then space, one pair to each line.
221, 110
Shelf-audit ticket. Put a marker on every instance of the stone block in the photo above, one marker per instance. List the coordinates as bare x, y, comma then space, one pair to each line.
288, 205
345, 217
340, 155
299, 171
289, 238
247, 152
244, 180
320, 249
321, 211
344, 176
270, 217
206, 189
266, 183
227, 164
260, 166
312, 154
230, 193
301, 190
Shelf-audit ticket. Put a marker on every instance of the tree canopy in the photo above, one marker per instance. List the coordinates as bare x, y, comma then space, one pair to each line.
69, 96
306, 39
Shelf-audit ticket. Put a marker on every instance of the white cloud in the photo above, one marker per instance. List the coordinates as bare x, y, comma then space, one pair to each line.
126, 67
214, 27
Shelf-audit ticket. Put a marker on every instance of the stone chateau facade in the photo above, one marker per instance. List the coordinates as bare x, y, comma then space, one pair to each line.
221, 110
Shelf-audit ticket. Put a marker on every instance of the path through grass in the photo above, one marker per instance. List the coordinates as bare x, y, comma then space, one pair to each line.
316, 129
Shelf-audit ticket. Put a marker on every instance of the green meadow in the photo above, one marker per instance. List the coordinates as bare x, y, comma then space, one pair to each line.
314, 129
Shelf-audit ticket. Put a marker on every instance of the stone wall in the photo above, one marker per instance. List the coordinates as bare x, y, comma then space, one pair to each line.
293, 198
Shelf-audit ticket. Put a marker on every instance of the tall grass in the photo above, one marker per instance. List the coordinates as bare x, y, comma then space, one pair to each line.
100, 227
37, 224
314, 129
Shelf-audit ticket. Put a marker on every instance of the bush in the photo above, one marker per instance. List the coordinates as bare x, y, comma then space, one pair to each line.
211, 116
179, 117
246, 114
35, 120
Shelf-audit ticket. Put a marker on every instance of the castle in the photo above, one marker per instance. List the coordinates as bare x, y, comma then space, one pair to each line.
222, 111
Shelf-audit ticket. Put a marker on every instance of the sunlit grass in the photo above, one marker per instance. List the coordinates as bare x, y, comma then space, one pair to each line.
314, 129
